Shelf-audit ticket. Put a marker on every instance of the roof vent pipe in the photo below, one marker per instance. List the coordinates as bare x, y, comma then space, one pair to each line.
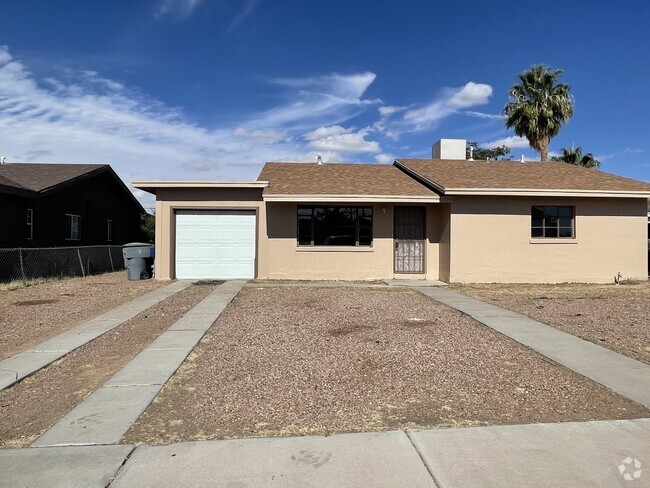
522, 160
319, 160
471, 152
3, 160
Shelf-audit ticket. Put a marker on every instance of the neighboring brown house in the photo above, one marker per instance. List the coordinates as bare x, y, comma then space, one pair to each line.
437, 219
54, 205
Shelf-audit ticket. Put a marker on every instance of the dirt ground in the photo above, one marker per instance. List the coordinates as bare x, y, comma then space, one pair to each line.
617, 317
34, 314
298, 361
30, 407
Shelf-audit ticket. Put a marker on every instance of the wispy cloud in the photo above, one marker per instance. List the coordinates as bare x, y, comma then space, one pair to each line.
178, 9
388, 110
617, 154
510, 141
323, 100
83, 117
481, 115
341, 140
448, 102
249, 6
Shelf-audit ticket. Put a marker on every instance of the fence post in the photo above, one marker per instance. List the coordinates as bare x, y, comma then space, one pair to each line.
110, 257
22, 267
81, 263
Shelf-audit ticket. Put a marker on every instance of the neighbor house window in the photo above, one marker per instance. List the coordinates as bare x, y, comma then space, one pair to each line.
553, 222
29, 223
334, 226
109, 230
73, 227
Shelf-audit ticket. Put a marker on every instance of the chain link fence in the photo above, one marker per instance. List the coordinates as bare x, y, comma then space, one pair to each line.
25, 264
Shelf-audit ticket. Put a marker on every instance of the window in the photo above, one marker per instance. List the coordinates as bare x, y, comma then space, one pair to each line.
109, 230
73, 227
29, 223
553, 222
334, 226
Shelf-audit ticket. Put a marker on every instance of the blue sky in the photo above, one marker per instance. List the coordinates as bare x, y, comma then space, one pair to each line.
211, 89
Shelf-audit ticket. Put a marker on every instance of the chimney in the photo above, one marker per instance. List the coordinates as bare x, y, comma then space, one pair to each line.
449, 149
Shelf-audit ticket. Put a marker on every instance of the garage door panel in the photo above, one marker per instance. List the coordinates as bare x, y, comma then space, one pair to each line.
215, 244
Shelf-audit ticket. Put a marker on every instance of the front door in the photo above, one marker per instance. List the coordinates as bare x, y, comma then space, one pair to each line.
409, 239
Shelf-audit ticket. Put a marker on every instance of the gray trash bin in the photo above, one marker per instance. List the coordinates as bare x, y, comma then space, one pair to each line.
138, 260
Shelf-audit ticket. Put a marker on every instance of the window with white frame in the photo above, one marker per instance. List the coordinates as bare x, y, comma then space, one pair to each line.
29, 224
73, 227
109, 230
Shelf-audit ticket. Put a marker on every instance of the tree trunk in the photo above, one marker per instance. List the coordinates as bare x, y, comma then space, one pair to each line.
544, 152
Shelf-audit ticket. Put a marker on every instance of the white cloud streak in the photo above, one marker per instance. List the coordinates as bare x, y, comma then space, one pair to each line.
511, 142
324, 100
481, 115
83, 117
339, 140
249, 6
388, 110
179, 9
448, 102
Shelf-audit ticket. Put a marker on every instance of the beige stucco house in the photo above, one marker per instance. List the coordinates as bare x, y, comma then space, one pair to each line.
435, 219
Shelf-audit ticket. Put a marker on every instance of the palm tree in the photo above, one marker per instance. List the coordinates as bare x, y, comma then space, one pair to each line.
538, 107
575, 156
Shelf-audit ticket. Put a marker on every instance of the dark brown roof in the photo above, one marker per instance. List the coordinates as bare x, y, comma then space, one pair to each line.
339, 179
458, 174
39, 177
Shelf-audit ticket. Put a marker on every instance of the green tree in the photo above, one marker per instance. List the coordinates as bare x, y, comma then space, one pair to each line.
538, 107
148, 226
484, 153
575, 156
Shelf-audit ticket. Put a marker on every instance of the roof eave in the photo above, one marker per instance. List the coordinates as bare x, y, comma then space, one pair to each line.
311, 198
545, 192
151, 186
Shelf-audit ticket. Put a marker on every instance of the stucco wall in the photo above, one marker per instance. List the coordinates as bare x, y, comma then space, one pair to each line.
170, 200
490, 241
287, 260
444, 255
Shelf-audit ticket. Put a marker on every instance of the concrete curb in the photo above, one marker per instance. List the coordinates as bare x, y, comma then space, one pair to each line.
571, 454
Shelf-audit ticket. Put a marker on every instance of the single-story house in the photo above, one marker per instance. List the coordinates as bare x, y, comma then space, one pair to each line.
54, 205
445, 219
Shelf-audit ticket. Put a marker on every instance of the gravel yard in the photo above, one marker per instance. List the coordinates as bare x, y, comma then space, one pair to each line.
297, 361
617, 317
34, 314
30, 407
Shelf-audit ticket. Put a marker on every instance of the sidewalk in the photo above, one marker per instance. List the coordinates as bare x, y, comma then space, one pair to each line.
594, 454
619, 373
107, 413
26, 363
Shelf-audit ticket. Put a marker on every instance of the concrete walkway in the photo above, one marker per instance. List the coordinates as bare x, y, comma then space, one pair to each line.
624, 375
26, 363
595, 454
105, 415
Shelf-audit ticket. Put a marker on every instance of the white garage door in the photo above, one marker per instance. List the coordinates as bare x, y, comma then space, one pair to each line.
215, 244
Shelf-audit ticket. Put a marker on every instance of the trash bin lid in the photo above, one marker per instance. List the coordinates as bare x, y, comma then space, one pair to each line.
138, 244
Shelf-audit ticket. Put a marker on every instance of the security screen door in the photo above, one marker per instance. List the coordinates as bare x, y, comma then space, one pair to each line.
409, 239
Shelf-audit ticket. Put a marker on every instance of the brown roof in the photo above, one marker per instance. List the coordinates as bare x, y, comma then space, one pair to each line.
339, 179
448, 175
40, 177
